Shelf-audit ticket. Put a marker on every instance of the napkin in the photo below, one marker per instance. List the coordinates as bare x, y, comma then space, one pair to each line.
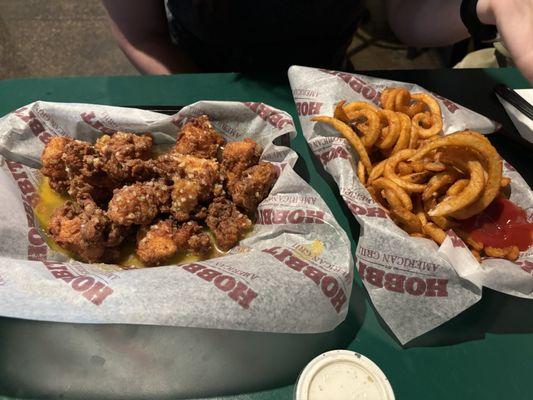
523, 124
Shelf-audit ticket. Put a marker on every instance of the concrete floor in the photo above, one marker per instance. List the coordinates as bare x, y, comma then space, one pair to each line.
41, 38
57, 38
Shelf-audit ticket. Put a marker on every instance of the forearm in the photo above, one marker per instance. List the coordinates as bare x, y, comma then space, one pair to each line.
141, 32
514, 21
156, 56
426, 23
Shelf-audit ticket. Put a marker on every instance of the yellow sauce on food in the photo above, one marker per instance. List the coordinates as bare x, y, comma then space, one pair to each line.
49, 200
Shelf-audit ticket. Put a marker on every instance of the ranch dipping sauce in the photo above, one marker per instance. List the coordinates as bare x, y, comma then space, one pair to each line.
342, 375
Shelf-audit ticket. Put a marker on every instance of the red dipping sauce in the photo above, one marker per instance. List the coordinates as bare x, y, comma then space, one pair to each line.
501, 224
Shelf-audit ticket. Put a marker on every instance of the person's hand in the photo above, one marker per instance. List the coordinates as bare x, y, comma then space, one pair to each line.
514, 19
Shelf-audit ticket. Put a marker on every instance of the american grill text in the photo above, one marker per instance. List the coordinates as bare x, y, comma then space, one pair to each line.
393, 278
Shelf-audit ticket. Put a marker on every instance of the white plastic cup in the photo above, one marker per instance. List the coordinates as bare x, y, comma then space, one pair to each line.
342, 375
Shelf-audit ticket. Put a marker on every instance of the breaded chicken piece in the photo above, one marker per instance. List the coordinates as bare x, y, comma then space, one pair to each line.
204, 172
226, 222
125, 146
53, 165
162, 240
125, 157
253, 186
86, 231
198, 138
239, 156
74, 166
190, 237
77, 154
156, 243
139, 203
83, 169
62, 159
129, 171
185, 194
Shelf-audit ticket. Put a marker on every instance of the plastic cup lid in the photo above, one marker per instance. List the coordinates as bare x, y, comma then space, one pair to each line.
342, 375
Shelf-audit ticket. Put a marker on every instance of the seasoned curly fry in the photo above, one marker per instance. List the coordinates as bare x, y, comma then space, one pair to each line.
392, 198
417, 234
361, 174
413, 140
511, 253
384, 183
418, 166
405, 133
457, 187
350, 108
391, 132
435, 166
441, 222
368, 123
350, 135
390, 173
406, 219
476, 255
505, 182
468, 195
426, 125
419, 211
431, 103
339, 112
493, 160
417, 177
441, 180
434, 232
399, 99
404, 168
376, 172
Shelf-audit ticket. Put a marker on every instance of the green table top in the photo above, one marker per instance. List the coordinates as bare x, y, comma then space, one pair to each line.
485, 352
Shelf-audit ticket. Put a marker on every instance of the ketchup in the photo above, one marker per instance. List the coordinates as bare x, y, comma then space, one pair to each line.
501, 224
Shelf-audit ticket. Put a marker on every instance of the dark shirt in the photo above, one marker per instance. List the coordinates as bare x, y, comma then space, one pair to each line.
249, 35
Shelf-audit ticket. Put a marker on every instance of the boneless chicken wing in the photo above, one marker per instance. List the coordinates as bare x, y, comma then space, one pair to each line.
227, 223
86, 231
190, 236
253, 186
205, 172
162, 240
53, 165
125, 146
198, 138
126, 157
239, 156
184, 195
139, 203
156, 243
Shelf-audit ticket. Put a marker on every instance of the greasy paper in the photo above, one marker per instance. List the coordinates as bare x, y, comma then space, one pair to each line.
292, 273
414, 284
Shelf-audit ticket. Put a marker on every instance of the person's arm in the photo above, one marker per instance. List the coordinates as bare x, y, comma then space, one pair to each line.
141, 30
426, 23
